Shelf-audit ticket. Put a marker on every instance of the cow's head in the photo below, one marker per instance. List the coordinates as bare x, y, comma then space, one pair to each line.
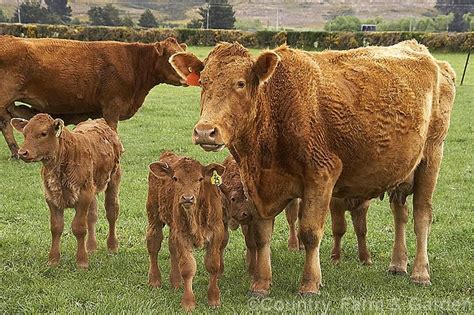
165, 72
229, 78
188, 178
42, 135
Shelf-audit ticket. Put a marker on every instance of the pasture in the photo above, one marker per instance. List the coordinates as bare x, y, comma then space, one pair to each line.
118, 283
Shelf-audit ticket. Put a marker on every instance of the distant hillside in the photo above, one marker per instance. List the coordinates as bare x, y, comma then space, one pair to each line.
291, 13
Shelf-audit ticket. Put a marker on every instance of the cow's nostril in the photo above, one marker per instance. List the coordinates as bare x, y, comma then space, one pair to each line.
244, 214
212, 133
23, 153
196, 132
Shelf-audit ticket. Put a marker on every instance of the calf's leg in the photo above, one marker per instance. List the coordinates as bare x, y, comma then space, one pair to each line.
291, 212
112, 209
339, 225
91, 244
251, 252
175, 275
57, 227
154, 237
359, 221
262, 279
425, 179
79, 228
187, 267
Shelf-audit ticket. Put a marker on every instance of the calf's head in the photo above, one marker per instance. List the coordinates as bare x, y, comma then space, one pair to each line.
189, 178
42, 136
164, 71
229, 80
239, 206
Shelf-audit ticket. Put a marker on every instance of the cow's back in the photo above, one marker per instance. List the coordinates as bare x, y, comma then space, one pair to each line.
367, 105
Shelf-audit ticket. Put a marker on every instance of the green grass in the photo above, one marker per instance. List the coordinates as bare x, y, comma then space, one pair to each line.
119, 283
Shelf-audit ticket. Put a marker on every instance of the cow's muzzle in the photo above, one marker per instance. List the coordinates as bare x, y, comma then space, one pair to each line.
208, 137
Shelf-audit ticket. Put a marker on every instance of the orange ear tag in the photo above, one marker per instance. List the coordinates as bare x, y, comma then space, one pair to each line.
193, 79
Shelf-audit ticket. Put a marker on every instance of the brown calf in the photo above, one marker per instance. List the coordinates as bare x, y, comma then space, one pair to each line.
77, 165
181, 195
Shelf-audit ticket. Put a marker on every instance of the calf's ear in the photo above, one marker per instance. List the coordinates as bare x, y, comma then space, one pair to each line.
58, 126
209, 169
224, 188
188, 66
160, 169
18, 123
184, 46
265, 65
159, 48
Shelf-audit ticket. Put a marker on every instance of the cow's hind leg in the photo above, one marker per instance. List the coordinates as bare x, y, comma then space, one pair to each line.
425, 179
7, 130
339, 225
91, 244
291, 212
359, 221
112, 209
399, 261
251, 252
154, 237
57, 227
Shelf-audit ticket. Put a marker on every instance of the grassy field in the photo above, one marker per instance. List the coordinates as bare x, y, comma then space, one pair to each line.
119, 283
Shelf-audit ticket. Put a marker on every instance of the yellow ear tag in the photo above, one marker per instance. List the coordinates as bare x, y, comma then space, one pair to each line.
216, 179
58, 133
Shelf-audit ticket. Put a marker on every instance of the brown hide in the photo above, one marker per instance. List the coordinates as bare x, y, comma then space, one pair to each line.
77, 165
180, 194
347, 124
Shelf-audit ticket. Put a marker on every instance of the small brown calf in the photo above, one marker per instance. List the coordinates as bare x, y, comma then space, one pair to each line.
77, 165
181, 195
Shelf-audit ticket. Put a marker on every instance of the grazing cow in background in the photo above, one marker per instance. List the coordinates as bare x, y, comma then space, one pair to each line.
345, 124
77, 165
181, 195
75, 80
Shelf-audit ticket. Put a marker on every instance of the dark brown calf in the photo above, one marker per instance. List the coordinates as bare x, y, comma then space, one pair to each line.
181, 195
77, 165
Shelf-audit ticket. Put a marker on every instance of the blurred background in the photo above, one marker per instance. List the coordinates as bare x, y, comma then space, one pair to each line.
250, 15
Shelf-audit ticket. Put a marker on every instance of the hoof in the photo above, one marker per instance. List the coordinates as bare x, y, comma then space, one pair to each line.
82, 266
366, 262
421, 280
306, 294
188, 306
397, 271
91, 248
112, 251
214, 304
336, 260
154, 283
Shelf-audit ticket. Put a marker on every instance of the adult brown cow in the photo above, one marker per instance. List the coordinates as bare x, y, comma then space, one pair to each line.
76, 80
348, 124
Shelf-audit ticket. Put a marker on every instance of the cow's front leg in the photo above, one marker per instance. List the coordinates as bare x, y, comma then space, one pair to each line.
57, 227
262, 279
212, 262
251, 252
315, 207
7, 131
79, 228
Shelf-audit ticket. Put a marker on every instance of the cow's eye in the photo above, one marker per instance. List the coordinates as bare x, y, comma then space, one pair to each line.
201, 178
240, 84
44, 134
232, 199
174, 178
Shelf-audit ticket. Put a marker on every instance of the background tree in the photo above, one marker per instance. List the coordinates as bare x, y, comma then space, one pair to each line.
31, 12
147, 19
221, 14
107, 15
128, 21
459, 8
3, 17
195, 23
345, 23
60, 9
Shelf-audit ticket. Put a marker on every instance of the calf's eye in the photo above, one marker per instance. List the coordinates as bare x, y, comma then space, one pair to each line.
241, 84
44, 134
232, 199
201, 178
174, 178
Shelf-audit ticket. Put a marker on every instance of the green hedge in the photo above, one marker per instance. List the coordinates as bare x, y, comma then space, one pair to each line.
451, 42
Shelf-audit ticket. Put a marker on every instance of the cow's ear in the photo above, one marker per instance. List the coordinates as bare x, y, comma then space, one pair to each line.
160, 169
184, 46
159, 47
188, 66
19, 124
265, 65
58, 126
